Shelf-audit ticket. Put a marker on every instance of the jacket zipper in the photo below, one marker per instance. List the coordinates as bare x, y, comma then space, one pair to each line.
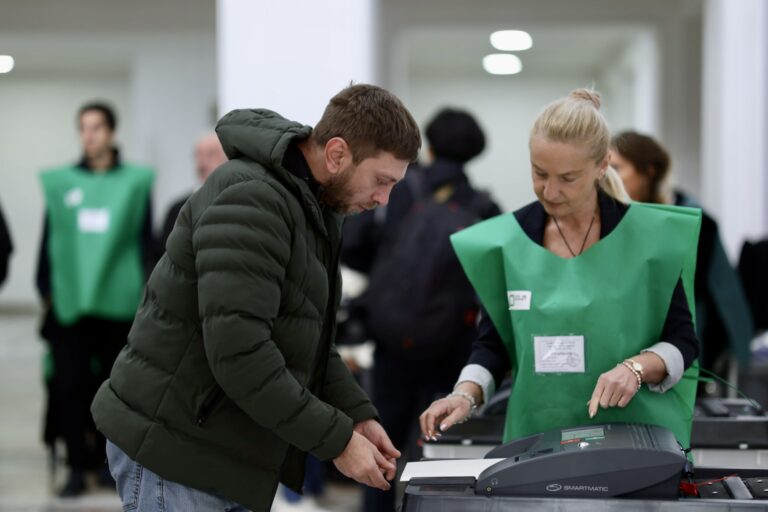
209, 405
315, 380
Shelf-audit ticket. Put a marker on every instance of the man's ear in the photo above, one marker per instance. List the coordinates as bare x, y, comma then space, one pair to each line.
337, 155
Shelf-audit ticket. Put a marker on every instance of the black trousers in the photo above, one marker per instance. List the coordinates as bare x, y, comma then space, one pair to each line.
402, 390
83, 355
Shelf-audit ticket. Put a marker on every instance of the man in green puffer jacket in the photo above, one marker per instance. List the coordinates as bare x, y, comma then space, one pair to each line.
230, 375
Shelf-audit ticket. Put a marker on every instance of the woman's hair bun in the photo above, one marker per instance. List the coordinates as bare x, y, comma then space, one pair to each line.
586, 95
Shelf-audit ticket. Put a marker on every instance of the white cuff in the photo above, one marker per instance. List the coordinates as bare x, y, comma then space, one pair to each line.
673, 359
483, 378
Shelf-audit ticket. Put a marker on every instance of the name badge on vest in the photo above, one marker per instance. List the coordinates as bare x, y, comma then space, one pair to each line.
519, 300
93, 220
559, 354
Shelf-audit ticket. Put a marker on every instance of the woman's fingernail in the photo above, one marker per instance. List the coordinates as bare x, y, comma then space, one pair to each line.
443, 427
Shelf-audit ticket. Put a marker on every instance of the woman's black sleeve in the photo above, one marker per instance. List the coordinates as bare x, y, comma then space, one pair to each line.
678, 327
488, 349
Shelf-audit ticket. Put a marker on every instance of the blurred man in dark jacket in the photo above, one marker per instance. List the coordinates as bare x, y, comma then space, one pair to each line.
410, 369
96, 247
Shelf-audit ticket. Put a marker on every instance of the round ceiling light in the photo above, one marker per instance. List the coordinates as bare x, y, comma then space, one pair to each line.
502, 64
511, 40
6, 63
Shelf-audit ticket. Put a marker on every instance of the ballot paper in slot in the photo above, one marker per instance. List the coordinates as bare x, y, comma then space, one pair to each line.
447, 468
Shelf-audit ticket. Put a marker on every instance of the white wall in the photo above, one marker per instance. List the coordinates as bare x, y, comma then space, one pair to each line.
38, 130
630, 86
292, 56
735, 114
173, 86
679, 37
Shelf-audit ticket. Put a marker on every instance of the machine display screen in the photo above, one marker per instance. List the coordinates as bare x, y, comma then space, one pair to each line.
570, 435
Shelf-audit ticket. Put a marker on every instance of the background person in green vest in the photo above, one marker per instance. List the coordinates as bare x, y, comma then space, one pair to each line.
97, 241
586, 296
723, 318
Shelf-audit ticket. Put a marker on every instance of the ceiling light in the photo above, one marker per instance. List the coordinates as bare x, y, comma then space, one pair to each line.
511, 40
502, 64
6, 63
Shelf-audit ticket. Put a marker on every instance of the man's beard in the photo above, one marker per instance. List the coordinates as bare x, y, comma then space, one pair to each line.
335, 194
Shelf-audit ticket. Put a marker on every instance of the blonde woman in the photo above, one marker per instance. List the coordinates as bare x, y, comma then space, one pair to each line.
586, 297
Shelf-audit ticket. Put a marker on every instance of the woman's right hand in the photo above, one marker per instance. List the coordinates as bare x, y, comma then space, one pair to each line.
443, 414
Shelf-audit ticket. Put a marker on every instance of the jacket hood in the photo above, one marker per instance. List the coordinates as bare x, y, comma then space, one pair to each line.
263, 136
259, 134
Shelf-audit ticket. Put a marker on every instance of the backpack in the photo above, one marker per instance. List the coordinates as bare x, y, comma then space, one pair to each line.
419, 304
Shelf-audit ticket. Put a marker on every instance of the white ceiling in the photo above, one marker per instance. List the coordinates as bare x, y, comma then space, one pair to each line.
556, 50
441, 37
106, 16
70, 37
583, 38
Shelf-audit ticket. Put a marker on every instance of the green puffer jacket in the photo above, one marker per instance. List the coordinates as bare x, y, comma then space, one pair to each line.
229, 374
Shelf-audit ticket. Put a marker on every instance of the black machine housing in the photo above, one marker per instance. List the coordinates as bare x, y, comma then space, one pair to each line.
610, 460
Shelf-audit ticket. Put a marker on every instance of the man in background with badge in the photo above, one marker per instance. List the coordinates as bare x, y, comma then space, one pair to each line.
97, 241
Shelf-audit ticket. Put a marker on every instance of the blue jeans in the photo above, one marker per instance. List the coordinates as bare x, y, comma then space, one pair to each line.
144, 491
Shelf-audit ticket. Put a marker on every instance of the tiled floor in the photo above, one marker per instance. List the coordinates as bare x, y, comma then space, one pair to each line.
25, 479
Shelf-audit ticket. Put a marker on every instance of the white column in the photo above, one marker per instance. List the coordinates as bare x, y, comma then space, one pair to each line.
292, 56
174, 93
645, 53
735, 118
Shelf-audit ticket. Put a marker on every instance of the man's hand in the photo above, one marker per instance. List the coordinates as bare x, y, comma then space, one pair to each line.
375, 433
615, 387
362, 462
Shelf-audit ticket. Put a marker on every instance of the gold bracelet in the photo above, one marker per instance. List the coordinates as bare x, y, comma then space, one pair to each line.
635, 372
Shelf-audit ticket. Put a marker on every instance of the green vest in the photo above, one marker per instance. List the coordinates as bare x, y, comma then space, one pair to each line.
95, 223
616, 295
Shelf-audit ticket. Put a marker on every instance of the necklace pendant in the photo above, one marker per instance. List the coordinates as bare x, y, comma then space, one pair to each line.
565, 240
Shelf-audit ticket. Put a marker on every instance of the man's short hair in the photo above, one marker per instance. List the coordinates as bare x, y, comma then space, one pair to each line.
107, 111
371, 120
455, 135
